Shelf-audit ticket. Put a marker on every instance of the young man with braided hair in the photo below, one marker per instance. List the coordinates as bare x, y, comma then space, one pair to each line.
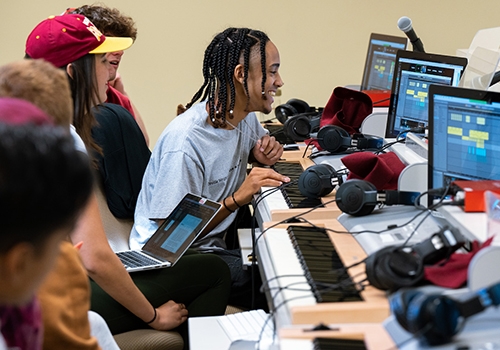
205, 150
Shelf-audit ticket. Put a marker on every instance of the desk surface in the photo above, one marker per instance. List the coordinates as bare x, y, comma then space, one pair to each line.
471, 225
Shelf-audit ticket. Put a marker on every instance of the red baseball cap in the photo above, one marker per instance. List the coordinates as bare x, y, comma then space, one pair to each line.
66, 38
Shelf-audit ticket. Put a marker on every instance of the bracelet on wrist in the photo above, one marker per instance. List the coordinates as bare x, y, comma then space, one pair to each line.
225, 206
154, 317
234, 200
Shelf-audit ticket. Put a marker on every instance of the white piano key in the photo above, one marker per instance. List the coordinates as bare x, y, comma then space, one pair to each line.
289, 274
268, 201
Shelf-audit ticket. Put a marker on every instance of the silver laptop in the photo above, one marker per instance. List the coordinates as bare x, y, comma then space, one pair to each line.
174, 236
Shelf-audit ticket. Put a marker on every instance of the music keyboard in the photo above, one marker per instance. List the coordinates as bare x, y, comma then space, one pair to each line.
290, 293
373, 335
273, 204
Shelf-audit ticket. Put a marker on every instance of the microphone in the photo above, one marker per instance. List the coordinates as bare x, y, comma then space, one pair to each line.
404, 24
483, 82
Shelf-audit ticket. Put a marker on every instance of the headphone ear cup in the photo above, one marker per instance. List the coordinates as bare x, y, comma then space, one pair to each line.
316, 181
333, 139
351, 197
285, 111
399, 302
297, 128
300, 106
435, 317
372, 268
397, 269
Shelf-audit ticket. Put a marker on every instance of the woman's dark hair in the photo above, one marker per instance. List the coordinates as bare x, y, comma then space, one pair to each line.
85, 95
44, 183
221, 57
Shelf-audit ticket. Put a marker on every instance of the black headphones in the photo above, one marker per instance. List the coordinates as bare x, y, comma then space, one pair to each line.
396, 267
436, 318
334, 139
359, 197
292, 108
298, 118
319, 180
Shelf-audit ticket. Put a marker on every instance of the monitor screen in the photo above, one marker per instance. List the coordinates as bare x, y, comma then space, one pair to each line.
464, 135
415, 72
380, 58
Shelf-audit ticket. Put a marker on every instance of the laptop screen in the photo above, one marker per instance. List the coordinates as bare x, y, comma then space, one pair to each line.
380, 58
464, 135
181, 227
414, 73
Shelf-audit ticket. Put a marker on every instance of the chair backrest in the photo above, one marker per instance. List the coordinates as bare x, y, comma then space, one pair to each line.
117, 230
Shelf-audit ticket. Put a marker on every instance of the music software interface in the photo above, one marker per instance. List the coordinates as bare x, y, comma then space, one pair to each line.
380, 64
413, 90
466, 140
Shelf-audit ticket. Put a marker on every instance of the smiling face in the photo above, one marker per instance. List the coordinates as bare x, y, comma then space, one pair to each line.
262, 100
113, 59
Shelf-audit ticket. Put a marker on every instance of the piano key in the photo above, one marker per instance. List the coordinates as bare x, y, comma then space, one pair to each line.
274, 205
282, 266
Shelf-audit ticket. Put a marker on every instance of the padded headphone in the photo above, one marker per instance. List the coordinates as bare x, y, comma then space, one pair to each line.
300, 127
359, 197
334, 139
436, 318
396, 267
298, 118
319, 180
291, 108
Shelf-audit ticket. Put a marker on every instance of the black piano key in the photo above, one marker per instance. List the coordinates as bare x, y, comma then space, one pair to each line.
291, 194
338, 343
322, 266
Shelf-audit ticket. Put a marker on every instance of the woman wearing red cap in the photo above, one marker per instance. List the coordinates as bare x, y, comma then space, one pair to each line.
160, 298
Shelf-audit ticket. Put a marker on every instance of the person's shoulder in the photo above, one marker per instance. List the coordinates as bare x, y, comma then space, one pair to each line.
118, 98
115, 96
79, 144
105, 112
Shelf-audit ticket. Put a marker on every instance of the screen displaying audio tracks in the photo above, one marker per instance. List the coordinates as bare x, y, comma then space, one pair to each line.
466, 140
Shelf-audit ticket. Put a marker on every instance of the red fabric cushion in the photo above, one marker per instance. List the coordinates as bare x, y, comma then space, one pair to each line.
381, 170
453, 273
347, 109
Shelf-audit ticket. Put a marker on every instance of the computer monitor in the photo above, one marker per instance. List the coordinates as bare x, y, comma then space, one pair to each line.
414, 73
464, 135
380, 58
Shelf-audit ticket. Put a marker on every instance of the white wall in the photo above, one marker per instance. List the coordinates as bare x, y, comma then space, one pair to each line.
322, 42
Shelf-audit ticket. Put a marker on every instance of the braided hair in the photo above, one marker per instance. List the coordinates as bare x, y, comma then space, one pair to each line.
221, 58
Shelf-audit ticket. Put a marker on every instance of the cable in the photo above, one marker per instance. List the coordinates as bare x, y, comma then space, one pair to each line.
380, 101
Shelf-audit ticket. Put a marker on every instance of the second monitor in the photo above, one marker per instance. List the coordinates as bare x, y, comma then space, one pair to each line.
413, 75
380, 58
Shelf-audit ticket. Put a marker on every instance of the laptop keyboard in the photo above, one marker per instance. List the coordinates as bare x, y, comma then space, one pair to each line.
247, 325
135, 259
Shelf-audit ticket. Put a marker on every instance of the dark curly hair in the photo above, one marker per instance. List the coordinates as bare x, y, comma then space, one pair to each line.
110, 21
221, 57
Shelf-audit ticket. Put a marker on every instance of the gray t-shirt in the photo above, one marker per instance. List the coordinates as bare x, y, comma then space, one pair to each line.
193, 156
